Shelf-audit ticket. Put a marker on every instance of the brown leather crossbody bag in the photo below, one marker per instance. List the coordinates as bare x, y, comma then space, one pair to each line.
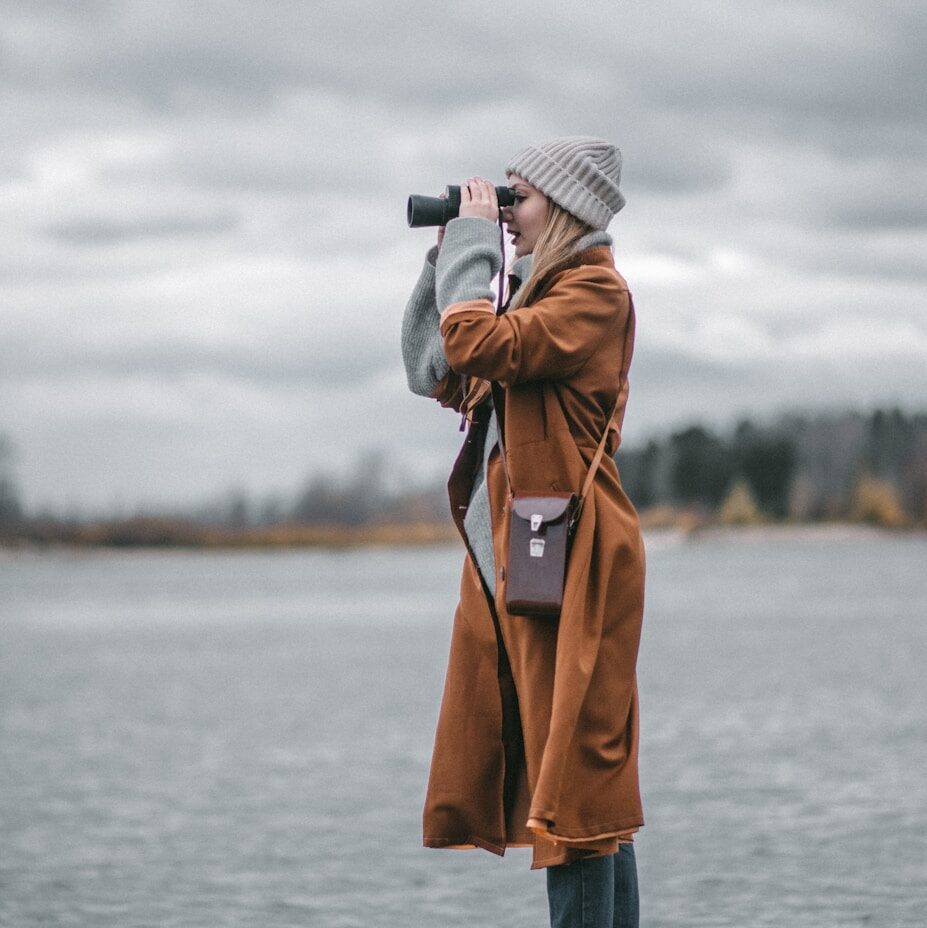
541, 529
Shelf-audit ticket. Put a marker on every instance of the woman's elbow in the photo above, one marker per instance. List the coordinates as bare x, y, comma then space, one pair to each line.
457, 357
472, 360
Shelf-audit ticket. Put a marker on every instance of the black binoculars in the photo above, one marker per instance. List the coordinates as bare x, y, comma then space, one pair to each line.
439, 211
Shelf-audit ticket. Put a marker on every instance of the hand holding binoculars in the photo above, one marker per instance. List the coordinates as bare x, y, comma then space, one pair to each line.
439, 211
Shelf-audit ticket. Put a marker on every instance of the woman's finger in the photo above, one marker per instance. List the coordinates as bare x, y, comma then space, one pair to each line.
477, 190
478, 199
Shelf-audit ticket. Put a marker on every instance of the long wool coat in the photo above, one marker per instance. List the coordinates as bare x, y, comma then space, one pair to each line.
537, 736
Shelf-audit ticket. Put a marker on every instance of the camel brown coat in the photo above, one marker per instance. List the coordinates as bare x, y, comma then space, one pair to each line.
539, 718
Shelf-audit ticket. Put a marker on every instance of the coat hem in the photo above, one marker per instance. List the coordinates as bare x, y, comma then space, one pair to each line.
468, 843
540, 823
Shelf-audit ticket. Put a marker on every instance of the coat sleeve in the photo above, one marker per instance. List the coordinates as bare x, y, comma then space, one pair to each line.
548, 340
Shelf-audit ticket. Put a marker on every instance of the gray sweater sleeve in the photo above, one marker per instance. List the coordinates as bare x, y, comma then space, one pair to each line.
469, 258
422, 347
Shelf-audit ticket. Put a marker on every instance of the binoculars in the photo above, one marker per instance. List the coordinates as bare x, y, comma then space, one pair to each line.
439, 211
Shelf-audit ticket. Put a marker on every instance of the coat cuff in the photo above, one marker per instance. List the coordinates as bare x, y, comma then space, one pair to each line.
482, 306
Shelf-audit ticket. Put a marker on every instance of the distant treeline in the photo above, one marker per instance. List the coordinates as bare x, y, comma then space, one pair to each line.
802, 468
870, 468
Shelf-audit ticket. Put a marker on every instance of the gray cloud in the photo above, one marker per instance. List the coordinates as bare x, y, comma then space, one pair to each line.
91, 231
895, 209
297, 363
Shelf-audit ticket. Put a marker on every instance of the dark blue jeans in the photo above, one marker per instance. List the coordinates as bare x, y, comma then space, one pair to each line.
595, 892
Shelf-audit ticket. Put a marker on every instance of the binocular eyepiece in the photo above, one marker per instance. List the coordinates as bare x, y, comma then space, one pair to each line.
439, 211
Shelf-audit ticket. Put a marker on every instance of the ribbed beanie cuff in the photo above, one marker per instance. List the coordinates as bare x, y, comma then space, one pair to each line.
579, 173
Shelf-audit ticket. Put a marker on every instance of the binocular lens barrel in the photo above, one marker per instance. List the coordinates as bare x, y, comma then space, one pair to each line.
439, 211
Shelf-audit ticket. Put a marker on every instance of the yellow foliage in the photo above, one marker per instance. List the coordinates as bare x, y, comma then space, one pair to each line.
740, 507
669, 517
876, 501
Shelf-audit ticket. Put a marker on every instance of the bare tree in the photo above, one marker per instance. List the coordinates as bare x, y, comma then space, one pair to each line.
10, 507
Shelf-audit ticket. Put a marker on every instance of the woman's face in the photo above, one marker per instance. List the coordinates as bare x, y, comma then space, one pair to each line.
525, 220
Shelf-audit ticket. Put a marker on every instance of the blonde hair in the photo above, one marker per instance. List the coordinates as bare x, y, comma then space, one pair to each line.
553, 250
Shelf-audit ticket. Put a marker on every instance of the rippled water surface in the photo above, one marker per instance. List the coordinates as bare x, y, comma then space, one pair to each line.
242, 739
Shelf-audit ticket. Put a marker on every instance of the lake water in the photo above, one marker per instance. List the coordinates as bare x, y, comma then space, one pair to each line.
242, 739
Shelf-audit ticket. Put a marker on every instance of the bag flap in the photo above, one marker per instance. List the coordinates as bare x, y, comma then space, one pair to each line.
549, 508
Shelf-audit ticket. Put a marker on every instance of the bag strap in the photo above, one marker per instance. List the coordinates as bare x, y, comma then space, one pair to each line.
622, 380
498, 400
498, 404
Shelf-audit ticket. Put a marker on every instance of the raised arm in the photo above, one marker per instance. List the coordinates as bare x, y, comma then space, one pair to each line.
550, 339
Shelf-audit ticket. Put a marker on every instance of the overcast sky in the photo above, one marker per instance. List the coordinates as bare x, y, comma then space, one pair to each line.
203, 251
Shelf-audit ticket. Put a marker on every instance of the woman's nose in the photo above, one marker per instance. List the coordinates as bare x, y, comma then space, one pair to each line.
506, 213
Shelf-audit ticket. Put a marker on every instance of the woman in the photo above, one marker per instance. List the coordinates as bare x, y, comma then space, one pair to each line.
537, 737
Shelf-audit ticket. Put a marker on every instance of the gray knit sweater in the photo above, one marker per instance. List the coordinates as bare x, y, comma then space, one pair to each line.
462, 270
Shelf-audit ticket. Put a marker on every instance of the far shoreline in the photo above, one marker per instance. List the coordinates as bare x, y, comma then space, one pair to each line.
422, 535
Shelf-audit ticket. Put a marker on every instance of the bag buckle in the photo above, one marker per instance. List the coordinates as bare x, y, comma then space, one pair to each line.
537, 520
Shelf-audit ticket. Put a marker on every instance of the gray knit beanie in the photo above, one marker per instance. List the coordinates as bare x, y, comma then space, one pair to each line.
577, 172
